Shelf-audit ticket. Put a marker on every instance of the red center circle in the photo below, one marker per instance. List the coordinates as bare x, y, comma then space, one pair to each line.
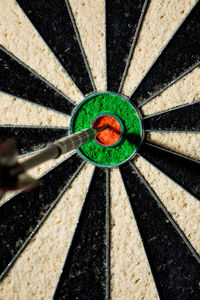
112, 132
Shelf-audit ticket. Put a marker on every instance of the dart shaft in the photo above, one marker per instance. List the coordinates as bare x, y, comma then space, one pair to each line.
74, 141
54, 150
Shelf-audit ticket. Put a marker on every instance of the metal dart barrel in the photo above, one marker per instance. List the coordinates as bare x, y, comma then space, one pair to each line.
54, 150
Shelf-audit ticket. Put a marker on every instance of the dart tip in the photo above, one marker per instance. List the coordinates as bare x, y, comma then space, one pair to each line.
106, 126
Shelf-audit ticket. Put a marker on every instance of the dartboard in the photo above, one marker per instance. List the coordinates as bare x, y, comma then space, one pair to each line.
114, 222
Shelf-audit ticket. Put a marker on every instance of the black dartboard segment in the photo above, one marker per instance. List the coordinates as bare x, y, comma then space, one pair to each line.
123, 19
181, 118
54, 24
180, 56
176, 271
184, 171
84, 273
19, 81
31, 138
22, 215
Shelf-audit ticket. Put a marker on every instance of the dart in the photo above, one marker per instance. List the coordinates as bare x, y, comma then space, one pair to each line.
12, 173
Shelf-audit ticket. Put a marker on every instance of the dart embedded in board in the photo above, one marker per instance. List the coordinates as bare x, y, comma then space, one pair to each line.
105, 129
12, 173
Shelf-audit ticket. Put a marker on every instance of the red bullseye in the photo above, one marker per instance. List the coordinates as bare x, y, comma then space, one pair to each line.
112, 134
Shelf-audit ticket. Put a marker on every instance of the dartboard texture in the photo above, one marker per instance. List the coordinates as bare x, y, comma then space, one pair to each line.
93, 233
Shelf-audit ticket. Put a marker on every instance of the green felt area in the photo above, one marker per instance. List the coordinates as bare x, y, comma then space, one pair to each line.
115, 104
